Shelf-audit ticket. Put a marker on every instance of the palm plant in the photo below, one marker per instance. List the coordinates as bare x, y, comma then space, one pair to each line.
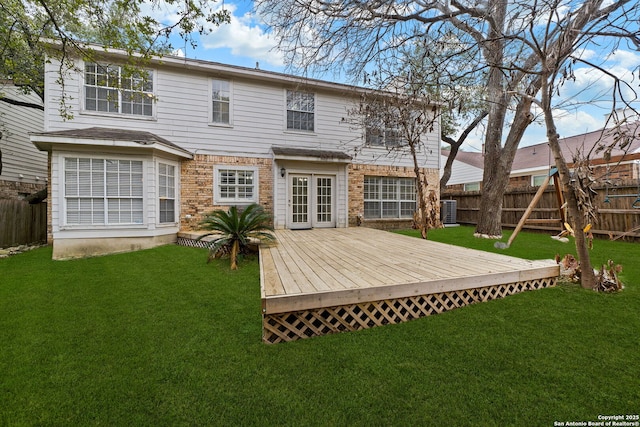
234, 231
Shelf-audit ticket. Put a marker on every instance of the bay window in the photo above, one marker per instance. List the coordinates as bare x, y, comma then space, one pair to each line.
103, 191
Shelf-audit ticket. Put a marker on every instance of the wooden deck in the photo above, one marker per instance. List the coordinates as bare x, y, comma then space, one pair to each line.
322, 281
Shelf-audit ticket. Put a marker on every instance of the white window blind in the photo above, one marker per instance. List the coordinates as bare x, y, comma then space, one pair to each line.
389, 197
103, 191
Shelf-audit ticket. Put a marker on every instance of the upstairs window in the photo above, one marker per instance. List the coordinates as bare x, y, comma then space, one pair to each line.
110, 89
221, 102
387, 135
300, 110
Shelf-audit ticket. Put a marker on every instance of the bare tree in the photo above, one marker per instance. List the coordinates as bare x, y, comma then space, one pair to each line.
398, 119
434, 69
315, 35
556, 58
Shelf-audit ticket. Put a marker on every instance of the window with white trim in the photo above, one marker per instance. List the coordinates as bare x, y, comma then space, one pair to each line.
384, 136
103, 191
166, 193
537, 180
300, 110
389, 197
221, 102
471, 186
235, 185
111, 89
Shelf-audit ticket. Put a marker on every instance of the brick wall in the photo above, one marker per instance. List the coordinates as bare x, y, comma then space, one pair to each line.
520, 181
16, 190
197, 180
356, 192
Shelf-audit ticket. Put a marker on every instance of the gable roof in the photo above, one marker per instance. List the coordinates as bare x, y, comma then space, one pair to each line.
108, 137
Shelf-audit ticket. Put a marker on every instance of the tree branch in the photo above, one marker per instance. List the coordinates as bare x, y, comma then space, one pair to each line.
21, 103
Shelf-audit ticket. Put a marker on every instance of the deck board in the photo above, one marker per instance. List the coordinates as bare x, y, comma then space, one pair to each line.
313, 268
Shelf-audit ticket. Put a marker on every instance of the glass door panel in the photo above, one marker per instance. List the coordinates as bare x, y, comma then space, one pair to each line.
299, 201
324, 202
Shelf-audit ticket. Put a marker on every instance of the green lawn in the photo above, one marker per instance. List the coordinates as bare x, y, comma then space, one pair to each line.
159, 337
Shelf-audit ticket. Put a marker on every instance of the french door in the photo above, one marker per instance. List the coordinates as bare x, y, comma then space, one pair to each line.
311, 201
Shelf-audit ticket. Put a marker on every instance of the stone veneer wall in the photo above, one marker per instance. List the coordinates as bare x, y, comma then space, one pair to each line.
357, 172
197, 182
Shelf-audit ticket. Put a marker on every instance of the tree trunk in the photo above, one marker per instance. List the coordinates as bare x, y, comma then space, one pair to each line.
421, 182
235, 248
576, 219
497, 169
494, 180
490, 214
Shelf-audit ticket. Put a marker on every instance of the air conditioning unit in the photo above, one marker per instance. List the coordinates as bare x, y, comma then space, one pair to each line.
448, 211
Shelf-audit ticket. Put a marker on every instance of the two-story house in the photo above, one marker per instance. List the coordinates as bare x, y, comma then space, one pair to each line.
133, 168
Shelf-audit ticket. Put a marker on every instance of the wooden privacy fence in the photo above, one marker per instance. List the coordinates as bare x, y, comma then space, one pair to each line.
22, 223
617, 215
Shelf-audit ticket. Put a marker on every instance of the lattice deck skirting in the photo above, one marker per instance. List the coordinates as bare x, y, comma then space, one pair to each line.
279, 327
194, 243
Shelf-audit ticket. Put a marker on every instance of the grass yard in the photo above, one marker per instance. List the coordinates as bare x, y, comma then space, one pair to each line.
159, 337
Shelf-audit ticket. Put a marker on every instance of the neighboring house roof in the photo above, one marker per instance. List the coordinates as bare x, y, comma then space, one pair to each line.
109, 136
468, 157
539, 156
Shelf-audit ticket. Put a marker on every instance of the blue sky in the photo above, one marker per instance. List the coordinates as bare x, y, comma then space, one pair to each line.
245, 42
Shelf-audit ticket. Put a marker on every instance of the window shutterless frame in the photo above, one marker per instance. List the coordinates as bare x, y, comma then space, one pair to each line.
220, 102
107, 90
389, 197
235, 185
300, 111
103, 191
167, 192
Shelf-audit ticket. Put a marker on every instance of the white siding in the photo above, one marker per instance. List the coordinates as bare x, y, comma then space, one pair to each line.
19, 156
463, 173
182, 116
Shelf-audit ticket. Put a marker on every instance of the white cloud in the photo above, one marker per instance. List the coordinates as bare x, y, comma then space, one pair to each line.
571, 123
244, 37
625, 59
166, 14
